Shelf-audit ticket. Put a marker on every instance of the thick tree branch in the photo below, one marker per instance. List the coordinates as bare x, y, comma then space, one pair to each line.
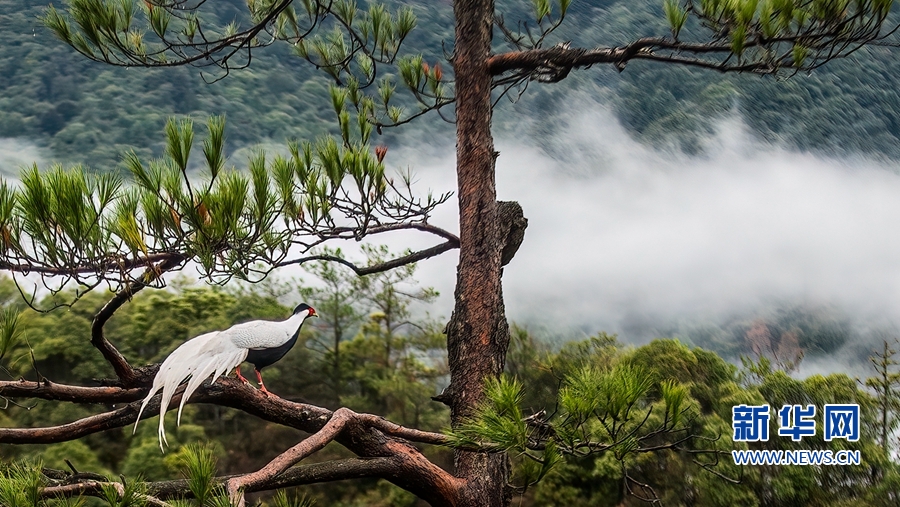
227, 392
73, 430
560, 57
48, 390
116, 264
285, 460
559, 60
124, 371
341, 418
95, 488
328, 471
554, 64
369, 437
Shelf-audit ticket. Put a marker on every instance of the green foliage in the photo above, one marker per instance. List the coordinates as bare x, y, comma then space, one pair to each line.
391, 364
9, 330
20, 484
127, 494
570, 446
69, 222
599, 411
85, 114
676, 15
689, 389
282, 499
199, 465
499, 423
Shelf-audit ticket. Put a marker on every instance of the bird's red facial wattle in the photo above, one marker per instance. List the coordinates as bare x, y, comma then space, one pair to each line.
312, 313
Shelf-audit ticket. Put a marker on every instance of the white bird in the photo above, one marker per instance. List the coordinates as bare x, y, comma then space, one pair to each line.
260, 342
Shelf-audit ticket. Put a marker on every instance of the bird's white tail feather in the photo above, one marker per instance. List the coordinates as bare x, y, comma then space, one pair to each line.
186, 349
215, 365
197, 358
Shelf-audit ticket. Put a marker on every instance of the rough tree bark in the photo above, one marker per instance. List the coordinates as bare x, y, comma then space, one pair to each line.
478, 334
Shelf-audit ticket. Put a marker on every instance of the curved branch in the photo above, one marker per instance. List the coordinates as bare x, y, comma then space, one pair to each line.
377, 268
226, 392
369, 437
124, 371
285, 460
328, 471
95, 488
449, 236
341, 420
110, 264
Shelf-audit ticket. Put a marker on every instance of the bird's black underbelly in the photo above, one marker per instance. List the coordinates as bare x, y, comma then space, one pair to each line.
260, 358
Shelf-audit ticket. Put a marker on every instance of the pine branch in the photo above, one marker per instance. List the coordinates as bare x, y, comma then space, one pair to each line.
47, 390
124, 371
383, 467
328, 471
368, 436
95, 488
225, 392
381, 267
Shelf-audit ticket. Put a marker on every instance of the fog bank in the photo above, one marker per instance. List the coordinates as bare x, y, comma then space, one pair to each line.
622, 235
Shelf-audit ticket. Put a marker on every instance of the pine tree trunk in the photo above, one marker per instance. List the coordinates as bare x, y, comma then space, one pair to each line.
478, 334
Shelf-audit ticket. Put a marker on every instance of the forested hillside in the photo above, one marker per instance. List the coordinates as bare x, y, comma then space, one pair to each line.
389, 362
589, 417
91, 113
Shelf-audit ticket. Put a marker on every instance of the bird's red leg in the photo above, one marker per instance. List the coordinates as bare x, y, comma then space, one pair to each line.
262, 387
240, 377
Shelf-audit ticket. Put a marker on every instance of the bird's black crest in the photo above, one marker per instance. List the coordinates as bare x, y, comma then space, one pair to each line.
301, 307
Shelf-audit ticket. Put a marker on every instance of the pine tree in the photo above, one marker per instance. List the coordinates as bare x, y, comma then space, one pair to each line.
96, 230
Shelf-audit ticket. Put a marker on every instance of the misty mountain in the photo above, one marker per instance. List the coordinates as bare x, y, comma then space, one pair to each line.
91, 113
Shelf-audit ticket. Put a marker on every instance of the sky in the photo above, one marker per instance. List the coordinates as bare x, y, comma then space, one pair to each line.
621, 233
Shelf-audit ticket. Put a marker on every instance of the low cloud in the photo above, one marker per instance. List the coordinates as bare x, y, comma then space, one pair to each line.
18, 153
621, 234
